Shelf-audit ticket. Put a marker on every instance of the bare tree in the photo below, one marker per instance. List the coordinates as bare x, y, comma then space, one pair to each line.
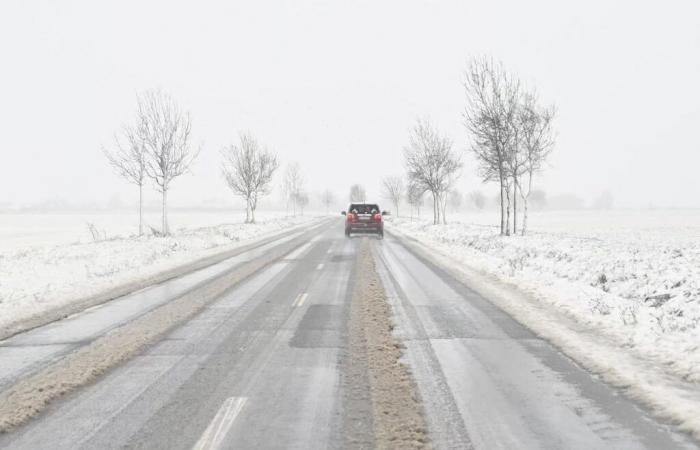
414, 197
327, 198
492, 105
393, 190
536, 141
293, 185
166, 132
357, 193
248, 171
129, 160
431, 164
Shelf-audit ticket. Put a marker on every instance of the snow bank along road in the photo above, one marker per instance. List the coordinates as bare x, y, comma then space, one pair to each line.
295, 353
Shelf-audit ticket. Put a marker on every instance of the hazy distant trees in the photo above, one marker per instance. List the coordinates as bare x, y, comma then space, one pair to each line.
393, 189
455, 199
511, 133
537, 199
327, 199
248, 169
302, 200
129, 160
357, 193
431, 164
414, 197
478, 199
166, 132
604, 201
293, 185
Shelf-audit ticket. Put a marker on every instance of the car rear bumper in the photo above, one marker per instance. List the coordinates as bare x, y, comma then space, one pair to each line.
364, 228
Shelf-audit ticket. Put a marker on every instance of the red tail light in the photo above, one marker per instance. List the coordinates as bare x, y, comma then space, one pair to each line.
351, 217
377, 217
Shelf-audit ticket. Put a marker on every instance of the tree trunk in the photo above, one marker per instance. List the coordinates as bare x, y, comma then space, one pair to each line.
436, 209
515, 204
444, 208
525, 203
507, 210
252, 213
503, 213
524, 216
141, 209
165, 229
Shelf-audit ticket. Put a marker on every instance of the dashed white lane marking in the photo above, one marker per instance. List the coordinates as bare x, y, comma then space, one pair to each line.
330, 250
319, 267
215, 433
300, 299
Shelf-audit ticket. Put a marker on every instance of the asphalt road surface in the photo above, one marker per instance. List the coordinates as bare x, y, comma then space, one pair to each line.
266, 365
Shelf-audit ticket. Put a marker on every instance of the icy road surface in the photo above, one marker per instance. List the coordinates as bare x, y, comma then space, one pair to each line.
269, 365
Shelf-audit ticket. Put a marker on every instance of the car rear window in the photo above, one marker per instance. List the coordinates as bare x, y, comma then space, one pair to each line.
363, 208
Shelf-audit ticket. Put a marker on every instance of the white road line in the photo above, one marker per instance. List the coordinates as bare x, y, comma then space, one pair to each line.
330, 250
215, 433
319, 267
300, 299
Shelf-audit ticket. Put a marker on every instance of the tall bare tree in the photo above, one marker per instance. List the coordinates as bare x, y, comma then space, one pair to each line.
327, 198
248, 169
358, 193
128, 158
166, 132
293, 184
536, 141
492, 104
393, 190
431, 164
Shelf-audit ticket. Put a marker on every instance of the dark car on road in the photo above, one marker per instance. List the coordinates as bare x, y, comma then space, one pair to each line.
364, 218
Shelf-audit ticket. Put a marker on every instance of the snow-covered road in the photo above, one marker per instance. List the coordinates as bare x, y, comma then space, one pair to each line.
279, 360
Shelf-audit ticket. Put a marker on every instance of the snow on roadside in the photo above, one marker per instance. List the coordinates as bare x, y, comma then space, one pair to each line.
640, 288
39, 278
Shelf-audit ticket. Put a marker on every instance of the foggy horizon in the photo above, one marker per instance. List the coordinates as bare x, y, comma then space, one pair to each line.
336, 88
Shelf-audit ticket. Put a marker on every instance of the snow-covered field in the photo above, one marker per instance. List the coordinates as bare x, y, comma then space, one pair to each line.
48, 261
632, 275
18, 231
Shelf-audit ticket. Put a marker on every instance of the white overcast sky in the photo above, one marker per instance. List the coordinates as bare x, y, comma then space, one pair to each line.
335, 85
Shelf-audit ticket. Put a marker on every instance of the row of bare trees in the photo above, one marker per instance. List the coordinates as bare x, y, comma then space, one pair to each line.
511, 134
157, 146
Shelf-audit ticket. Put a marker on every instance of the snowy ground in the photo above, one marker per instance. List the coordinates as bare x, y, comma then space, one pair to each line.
22, 230
49, 261
632, 275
